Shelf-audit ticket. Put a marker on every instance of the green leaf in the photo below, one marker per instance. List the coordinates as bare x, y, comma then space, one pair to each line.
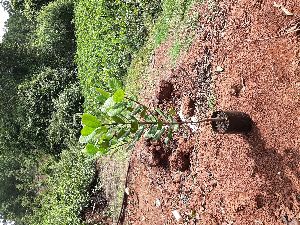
91, 149
118, 119
87, 130
108, 104
100, 99
134, 126
90, 120
137, 110
143, 113
119, 96
169, 136
159, 124
103, 151
139, 133
167, 140
114, 84
151, 132
175, 127
159, 133
161, 113
120, 133
125, 135
86, 139
172, 112
103, 93
114, 112
104, 144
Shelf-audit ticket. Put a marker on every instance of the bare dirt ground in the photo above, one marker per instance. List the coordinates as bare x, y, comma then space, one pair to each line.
247, 54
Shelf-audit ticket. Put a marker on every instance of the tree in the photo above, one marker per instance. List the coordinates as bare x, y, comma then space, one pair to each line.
54, 35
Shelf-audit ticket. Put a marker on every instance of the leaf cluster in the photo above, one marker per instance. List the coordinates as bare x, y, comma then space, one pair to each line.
123, 120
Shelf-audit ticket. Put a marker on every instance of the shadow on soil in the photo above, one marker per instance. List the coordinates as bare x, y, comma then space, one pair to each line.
279, 172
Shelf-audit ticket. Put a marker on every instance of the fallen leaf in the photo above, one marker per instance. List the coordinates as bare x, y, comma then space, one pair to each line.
277, 5
286, 11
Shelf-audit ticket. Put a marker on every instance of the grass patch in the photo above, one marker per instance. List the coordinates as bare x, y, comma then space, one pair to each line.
175, 49
175, 23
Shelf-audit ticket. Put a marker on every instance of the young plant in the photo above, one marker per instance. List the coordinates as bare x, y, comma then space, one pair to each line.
122, 120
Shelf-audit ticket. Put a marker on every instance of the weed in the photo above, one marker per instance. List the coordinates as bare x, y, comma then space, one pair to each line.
175, 50
212, 101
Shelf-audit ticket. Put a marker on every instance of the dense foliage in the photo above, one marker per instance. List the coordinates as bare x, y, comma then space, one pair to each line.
62, 192
40, 101
106, 44
44, 175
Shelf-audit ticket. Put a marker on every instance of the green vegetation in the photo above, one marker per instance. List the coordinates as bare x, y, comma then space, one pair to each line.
122, 120
40, 102
174, 24
107, 43
61, 58
63, 190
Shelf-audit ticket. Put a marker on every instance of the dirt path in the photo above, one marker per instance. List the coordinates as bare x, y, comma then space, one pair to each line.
228, 179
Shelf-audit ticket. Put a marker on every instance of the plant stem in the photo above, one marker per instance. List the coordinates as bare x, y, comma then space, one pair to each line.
130, 99
167, 123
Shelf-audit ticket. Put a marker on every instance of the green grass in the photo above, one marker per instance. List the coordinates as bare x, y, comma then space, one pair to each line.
174, 23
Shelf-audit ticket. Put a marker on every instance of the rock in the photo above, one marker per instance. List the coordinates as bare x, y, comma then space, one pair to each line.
219, 69
157, 203
177, 215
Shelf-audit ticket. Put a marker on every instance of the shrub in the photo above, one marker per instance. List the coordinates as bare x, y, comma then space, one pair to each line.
64, 124
38, 99
55, 38
65, 190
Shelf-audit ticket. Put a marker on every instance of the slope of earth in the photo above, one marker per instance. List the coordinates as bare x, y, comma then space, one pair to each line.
249, 52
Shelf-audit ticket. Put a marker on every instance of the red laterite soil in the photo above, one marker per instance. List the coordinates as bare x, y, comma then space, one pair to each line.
212, 178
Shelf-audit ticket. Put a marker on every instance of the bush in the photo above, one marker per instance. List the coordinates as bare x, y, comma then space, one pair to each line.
65, 190
65, 122
55, 38
38, 101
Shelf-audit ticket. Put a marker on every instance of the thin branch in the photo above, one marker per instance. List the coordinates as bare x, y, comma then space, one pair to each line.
147, 108
168, 123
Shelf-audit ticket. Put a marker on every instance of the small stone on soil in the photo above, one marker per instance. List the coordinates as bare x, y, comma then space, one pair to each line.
219, 69
177, 215
157, 203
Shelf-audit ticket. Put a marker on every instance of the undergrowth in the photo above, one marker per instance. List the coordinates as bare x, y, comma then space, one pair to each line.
63, 189
108, 34
176, 23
